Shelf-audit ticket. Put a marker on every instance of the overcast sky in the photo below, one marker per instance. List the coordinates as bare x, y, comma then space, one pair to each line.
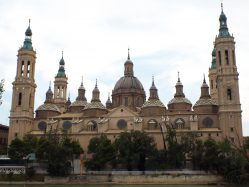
164, 37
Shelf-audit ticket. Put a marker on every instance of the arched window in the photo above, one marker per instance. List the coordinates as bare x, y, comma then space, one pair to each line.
20, 99
226, 57
152, 124
229, 94
219, 58
179, 123
22, 68
207, 122
28, 69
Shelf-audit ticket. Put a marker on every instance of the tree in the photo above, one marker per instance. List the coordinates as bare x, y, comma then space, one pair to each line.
175, 150
134, 147
17, 150
59, 151
103, 153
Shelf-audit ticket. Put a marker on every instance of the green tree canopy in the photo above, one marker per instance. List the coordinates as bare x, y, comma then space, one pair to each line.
102, 151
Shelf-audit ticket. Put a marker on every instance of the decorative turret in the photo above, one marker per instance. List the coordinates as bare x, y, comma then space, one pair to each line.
68, 103
48, 109
79, 104
108, 103
95, 108
223, 31
153, 106
60, 86
49, 95
179, 102
179, 88
153, 90
128, 66
81, 92
96, 93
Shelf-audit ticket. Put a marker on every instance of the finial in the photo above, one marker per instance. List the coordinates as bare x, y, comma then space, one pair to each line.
29, 22
178, 76
108, 95
49, 84
96, 85
153, 84
82, 80
204, 79
62, 53
221, 5
68, 96
128, 54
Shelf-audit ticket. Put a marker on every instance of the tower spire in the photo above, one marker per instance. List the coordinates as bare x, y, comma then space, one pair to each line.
128, 58
223, 31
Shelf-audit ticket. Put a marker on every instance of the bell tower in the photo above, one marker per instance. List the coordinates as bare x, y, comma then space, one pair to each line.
228, 84
23, 94
60, 86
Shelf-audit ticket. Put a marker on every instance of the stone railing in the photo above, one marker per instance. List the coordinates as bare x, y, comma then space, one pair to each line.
12, 169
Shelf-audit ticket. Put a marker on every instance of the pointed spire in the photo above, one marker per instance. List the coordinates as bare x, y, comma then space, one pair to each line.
49, 94
153, 90
204, 79
81, 84
95, 93
128, 58
128, 69
179, 88
108, 103
96, 84
153, 87
81, 92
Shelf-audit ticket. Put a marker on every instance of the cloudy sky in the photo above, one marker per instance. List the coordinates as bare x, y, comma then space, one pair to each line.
164, 37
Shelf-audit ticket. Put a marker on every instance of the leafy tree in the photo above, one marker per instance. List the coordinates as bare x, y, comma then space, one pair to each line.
134, 147
175, 150
103, 153
17, 150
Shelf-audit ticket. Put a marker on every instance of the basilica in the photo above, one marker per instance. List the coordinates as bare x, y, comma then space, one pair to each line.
217, 113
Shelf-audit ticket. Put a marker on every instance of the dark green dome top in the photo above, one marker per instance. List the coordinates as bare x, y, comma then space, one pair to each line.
27, 44
61, 71
223, 31
28, 32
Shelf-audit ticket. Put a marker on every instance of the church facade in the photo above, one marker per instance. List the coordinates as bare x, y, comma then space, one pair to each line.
217, 113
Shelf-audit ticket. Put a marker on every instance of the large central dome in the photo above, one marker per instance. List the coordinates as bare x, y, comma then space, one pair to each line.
128, 90
128, 82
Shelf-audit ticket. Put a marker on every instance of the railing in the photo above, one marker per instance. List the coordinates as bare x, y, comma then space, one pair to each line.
12, 169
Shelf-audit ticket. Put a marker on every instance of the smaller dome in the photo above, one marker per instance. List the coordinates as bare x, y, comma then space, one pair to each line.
205, 102
94, 105
153, 103
179, 100
48, 107
79, 103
